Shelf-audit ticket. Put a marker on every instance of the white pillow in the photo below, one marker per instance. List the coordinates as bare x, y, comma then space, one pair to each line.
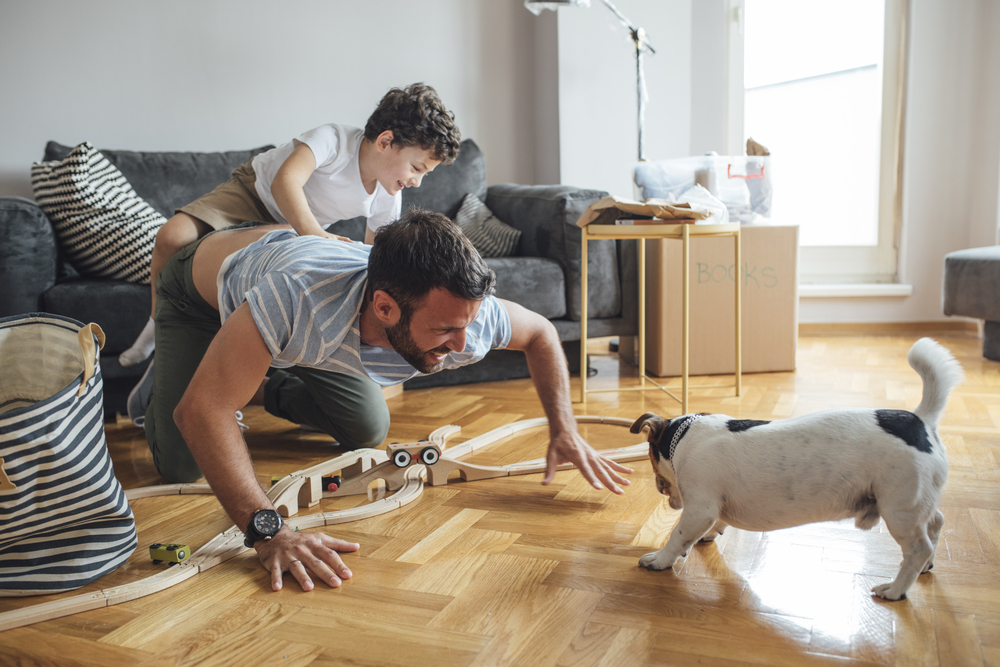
489, 235
104, 228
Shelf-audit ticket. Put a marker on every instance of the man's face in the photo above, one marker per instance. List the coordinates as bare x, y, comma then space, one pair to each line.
434, 329
404, 167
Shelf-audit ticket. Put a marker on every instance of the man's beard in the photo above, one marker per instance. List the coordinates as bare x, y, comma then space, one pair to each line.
402, 342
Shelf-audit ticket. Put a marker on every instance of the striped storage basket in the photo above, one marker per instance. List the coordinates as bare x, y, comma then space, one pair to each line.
64, 519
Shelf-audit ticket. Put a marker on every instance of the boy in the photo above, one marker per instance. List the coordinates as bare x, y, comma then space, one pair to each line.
330, 173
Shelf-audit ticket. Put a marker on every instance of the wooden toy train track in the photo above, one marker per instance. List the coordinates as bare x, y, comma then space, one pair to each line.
403, 475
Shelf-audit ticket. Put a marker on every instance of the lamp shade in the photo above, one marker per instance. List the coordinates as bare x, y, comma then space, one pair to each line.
538, 7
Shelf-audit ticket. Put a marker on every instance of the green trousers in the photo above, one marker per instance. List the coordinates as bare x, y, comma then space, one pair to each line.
350, 408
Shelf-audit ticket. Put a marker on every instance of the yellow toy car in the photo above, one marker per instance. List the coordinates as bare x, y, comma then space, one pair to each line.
170, 553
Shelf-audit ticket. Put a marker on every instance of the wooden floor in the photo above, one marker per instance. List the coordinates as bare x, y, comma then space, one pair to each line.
510, 572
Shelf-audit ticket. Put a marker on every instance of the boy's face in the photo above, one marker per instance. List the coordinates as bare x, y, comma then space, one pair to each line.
403, 166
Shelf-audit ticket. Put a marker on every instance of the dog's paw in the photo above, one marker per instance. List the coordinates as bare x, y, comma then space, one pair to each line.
928, 567
884, 591
656, 561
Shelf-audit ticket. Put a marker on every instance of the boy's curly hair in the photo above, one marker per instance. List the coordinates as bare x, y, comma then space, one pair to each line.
417, 117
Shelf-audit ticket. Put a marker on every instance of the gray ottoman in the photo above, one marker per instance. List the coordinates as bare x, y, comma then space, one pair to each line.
972, 288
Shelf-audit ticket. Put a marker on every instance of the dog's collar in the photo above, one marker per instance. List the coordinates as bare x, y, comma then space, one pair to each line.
679, 433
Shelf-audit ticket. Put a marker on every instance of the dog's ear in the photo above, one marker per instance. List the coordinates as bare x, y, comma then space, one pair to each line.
651, 421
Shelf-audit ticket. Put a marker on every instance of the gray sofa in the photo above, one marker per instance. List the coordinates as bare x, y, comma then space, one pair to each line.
971, 288
543, 276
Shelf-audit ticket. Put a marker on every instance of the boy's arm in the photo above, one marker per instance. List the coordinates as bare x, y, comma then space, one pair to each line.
290, 197
226, 380
537, 338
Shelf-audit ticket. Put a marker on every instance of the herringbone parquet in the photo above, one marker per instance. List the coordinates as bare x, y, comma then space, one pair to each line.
509, 572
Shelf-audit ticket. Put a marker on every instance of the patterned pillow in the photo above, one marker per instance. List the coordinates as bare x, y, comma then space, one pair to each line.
105, 229
489, 235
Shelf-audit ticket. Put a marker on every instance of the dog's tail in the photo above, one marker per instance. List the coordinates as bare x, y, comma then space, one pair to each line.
940, 372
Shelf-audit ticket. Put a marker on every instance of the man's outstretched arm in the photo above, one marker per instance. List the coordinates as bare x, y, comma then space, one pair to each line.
537, 338
231, 371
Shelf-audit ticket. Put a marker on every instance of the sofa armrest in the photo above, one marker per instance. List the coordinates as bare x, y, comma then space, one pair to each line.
546, 215
27, 255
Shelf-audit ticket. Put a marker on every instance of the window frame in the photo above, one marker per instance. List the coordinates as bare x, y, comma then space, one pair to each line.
843, 264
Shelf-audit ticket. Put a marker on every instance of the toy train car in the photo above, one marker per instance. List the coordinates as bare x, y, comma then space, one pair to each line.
171, 553
403, 453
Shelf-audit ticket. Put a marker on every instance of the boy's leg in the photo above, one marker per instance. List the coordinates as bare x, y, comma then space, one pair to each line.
350, 408
178, 232
185, 327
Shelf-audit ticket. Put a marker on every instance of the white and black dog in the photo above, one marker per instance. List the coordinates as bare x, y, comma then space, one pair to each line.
826, 466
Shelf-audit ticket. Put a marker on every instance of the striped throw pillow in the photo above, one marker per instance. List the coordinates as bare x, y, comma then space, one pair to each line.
489, 235
105, 229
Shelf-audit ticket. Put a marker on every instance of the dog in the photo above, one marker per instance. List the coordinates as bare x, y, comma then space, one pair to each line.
826, 466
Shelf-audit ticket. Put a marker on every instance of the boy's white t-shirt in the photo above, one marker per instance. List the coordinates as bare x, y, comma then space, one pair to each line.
334, 191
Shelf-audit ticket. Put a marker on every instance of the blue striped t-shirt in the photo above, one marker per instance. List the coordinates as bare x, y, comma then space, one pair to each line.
305, 295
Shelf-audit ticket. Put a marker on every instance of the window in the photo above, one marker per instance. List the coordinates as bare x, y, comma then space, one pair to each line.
821, 87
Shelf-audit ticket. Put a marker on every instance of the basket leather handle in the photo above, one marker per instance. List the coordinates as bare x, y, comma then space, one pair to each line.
86, 335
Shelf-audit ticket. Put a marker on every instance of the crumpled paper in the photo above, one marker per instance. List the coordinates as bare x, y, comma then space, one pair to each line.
609, 209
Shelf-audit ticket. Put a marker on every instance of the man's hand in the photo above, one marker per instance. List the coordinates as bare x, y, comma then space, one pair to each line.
537, 338
302, 553
322, 233
570, 447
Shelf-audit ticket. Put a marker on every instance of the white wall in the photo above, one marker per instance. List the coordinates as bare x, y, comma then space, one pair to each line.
708, 77
232, 74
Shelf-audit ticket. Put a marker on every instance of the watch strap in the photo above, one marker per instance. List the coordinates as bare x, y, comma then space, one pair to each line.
251, 534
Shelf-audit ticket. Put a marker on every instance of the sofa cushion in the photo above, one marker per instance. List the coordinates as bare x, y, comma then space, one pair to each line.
28, 263
971, 283
489, 235
169, 180
535, 283
444, 189
121, 309
546, 216
105, 229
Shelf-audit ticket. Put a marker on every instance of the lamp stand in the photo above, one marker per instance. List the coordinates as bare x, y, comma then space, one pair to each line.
641, 44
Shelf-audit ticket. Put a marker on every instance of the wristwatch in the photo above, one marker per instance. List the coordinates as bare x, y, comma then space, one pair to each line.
264, 525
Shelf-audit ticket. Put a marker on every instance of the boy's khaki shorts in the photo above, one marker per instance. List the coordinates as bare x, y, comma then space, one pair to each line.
232, 203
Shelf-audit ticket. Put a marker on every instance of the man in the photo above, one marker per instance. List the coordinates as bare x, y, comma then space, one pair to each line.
332, 317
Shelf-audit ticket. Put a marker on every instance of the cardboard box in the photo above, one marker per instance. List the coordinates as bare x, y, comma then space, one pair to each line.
770, 303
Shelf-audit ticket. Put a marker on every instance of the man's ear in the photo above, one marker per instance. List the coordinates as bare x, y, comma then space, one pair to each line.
385, 308
384, 141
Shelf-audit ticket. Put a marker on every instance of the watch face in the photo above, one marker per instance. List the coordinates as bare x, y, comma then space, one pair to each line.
267, 522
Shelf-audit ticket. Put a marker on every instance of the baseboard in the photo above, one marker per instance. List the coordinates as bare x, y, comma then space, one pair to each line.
951, 327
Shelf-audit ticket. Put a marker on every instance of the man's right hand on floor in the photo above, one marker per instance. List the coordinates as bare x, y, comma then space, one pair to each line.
302, 554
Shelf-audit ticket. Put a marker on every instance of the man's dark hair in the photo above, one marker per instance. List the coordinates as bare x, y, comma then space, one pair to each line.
417, 117
424, 250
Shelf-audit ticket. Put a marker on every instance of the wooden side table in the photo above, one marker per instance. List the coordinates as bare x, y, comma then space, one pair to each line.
684, 232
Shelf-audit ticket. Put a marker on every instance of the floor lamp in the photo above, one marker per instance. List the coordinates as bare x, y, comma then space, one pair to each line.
638, 38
